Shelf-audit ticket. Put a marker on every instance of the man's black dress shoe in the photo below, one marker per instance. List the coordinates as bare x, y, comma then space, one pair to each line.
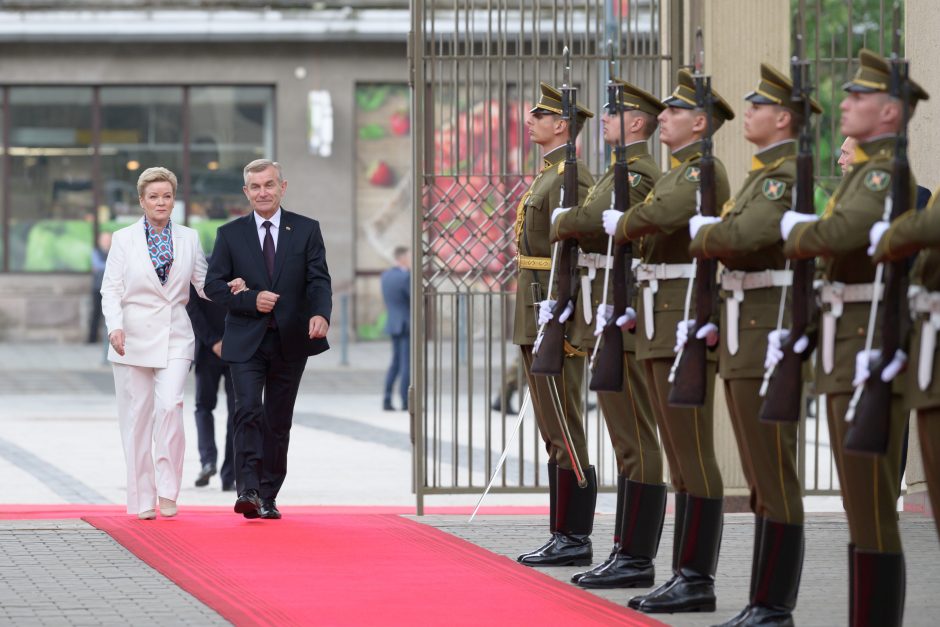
248, 503
269, 510
387, 406
202, 479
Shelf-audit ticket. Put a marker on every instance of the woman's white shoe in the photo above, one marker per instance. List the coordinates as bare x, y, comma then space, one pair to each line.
167, 507
148, 515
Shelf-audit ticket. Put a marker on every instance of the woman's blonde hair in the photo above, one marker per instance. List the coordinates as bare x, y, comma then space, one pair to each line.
155, 175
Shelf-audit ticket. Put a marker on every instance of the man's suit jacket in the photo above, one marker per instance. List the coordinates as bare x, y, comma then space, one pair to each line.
301, 279
153, 316
396, 292
208, 320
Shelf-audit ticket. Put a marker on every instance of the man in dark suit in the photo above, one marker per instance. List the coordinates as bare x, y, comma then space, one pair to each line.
396, 292
271, 327
208, 320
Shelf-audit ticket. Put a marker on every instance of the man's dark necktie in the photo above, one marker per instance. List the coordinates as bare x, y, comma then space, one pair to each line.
268, 248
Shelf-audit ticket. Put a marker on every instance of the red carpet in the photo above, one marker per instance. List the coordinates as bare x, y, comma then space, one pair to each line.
351, 569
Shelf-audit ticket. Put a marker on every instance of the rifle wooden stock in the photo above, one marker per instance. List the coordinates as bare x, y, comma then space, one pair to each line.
870, 428
550, 358
608, 364
690, 385
783, 401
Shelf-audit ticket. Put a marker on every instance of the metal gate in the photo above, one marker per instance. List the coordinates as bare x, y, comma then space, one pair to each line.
475, 70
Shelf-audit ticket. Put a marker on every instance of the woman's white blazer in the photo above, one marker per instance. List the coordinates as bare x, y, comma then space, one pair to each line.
153, 316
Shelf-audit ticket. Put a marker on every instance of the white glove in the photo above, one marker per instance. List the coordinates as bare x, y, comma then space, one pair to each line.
709, 333
545, 311
875, 234
791, 218
604, 312
864, 359
775, 341
698, 221
611, 217
628, 320
558, 211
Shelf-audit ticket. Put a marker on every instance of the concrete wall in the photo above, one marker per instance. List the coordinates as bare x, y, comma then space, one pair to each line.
321, 187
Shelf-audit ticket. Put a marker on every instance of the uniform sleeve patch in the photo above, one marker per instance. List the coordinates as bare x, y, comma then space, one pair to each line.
693, 174
635, 179
877, 180
774, 189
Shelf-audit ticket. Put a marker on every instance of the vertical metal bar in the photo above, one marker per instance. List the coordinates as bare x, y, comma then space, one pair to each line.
7, 174
469, 300
454, 384
187, 154
95, 161
418, 335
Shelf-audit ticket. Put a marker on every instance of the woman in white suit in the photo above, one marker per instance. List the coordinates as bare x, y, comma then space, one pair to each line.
143, 297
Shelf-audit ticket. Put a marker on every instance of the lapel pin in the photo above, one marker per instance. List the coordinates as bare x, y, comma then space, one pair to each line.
287, 228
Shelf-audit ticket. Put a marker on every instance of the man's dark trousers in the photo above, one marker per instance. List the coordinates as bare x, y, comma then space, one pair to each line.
208, 373
268, 386
400, 367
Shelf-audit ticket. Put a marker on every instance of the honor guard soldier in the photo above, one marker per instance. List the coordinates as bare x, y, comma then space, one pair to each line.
869, 482
660, 226
746, 240
571, 516
641, 494
917, 231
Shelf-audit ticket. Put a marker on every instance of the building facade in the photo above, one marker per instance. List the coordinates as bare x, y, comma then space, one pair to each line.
92, 93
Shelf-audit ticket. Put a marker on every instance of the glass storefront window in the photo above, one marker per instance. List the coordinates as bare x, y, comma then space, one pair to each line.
229, 127
51, 208
141, 127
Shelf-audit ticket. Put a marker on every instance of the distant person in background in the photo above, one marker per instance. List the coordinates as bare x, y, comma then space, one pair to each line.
99, 257
208, 320
396, 292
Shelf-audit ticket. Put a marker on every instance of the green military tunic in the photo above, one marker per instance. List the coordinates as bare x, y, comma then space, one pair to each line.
628, 413
841, 238
748, 240
913, 231
533, 218
662, 223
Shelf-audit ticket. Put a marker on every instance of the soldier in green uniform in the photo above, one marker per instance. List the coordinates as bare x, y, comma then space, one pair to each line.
660, 226
869, 482
911, 232
746, 239
571, 507
641, 494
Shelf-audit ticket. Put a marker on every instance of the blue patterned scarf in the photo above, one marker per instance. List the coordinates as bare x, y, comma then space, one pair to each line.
160, 244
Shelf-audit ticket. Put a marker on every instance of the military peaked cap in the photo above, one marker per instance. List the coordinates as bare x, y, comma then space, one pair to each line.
775, 88
550, 101
874, 75
683, 97
632, 98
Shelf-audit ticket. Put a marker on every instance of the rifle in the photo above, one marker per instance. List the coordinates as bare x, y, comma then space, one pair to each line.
607, 359
782, 388
688, 374
869, 412
549, 347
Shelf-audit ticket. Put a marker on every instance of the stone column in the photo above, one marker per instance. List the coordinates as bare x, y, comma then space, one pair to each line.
921, 22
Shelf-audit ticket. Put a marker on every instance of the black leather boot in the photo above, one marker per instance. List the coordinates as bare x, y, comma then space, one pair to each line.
571, 541
552, 509
778, 576
618, 522
851, 584
740, 617
642, 526
682, 498
879, 583
693, 587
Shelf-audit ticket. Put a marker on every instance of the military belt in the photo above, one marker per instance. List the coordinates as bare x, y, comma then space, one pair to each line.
651, 275
926, 305
833, 295
737, 282
534, 263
